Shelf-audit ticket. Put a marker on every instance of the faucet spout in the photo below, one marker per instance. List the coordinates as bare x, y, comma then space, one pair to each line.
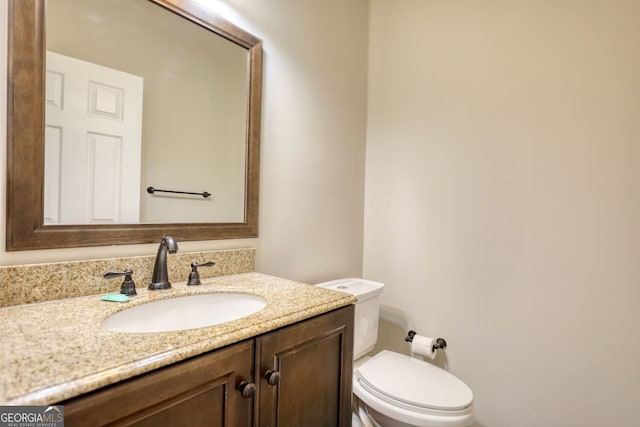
160, 278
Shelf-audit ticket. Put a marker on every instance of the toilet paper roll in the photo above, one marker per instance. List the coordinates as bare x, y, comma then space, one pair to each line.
423, 346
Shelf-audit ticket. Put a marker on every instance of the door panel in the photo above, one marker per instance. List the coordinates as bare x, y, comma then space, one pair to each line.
314, 360
199, 392
317, 400
92, 164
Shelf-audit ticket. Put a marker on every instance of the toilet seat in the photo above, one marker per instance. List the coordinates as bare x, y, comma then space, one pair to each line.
413, 391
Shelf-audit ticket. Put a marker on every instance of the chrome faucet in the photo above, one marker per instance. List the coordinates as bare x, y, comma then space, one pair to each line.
160, 278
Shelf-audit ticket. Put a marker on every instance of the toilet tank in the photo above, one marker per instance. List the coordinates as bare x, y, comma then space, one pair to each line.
366, 311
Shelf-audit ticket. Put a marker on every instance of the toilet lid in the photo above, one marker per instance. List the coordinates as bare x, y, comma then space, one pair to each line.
397, 377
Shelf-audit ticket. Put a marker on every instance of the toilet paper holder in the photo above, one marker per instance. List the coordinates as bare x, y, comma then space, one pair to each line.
439, 344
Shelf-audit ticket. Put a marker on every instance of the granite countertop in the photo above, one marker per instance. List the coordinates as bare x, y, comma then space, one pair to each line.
56, 350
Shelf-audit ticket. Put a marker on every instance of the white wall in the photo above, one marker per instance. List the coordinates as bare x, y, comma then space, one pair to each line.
503, 198
313, 139
312, 184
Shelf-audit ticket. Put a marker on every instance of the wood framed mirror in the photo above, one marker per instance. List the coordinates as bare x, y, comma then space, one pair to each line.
25, 227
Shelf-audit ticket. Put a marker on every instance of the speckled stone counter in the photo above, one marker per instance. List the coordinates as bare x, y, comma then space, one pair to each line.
56, 350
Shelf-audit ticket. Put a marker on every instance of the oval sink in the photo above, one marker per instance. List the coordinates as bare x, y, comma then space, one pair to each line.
188, 312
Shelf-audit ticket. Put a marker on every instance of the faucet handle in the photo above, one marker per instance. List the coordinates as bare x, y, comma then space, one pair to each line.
194, 276
127, 287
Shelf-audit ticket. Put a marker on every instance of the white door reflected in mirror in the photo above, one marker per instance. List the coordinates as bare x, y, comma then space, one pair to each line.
93, 141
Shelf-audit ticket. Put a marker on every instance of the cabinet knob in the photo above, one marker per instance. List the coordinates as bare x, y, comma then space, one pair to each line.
247, 389
273, 377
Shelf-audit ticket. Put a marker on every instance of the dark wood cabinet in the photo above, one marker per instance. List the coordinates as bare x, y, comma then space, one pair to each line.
305, 373
299, 375
199, 392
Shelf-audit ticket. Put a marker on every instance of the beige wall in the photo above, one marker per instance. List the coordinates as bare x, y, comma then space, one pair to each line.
312, 187
313, 139
503, 201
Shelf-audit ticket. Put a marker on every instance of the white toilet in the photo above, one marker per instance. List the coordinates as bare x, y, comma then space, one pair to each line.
392, 389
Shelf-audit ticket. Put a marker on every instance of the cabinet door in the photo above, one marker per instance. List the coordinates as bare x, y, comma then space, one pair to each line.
313, 361
199, 392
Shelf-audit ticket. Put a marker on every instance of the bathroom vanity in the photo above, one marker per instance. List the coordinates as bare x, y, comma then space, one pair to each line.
287, 364
292, 376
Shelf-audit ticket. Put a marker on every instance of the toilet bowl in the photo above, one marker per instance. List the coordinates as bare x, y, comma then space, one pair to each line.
392, 389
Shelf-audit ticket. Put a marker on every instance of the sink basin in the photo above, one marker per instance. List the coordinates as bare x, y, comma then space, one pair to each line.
188, 312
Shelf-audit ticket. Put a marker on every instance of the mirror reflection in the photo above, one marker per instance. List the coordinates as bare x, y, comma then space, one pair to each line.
137, 97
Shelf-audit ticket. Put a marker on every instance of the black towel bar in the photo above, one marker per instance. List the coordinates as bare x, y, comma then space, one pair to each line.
152, 190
